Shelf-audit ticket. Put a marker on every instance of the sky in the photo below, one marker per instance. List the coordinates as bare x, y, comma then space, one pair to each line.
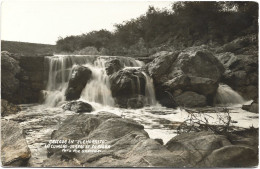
44, 21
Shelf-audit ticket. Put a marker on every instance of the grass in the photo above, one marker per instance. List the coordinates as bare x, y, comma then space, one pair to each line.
25, 48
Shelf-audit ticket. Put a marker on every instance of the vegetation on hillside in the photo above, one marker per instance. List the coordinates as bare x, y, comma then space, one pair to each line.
186, 24
25, 48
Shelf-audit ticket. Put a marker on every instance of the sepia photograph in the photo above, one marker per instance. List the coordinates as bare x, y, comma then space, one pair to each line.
129, 84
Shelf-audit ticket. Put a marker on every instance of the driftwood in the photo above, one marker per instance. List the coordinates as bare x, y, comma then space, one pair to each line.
198, 121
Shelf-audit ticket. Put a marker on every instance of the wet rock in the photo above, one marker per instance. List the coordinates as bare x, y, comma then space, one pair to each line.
113, 66
78, 106
193, 69
129, 144
8, 108
14, 149
127, 83
191, 99
253, 107
136, 103
9, 70
79, 78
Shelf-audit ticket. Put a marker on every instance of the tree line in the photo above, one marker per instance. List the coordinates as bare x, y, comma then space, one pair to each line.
185, 24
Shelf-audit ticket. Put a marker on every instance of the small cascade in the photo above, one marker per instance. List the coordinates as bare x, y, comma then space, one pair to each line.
98, 89
60, 67
227, 96
149, 90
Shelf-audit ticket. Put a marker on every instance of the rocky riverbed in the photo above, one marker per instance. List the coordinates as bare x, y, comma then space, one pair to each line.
159, 123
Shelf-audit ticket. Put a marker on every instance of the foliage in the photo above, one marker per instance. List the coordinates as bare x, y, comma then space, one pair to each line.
186, 24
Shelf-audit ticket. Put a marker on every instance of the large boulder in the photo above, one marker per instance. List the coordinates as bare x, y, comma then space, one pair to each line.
9, 70
129, 144
113, 66
8, 108
14, 148
191, 99
193, 69
127, 83
206, 149
232, 156
78, 106
79, 78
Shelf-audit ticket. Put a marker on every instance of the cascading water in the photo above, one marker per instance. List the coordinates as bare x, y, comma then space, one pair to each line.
149, 90
97, 91
60, 67
227, 96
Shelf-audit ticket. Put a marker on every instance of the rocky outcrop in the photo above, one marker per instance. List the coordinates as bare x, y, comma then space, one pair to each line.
113, 66
14, 149
9, 71
22, 78
79, 78
78, 106
126, 84
205, 149
8, 108
130, 146
190, 70
240, 58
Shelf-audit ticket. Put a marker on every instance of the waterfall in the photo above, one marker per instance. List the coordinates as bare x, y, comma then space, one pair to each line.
97, 90
226, 96
149, 90
60, 67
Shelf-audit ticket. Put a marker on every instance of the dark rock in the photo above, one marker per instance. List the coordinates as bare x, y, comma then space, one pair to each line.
191, 99
78, 106
8, 108
253, 107
113, 66
127, 83
14, 149
9, 70
136, 103
79, 78
159, 140
165, 98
